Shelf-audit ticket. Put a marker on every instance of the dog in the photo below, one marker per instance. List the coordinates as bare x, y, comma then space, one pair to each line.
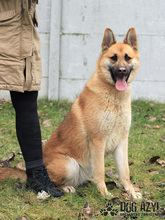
98, 123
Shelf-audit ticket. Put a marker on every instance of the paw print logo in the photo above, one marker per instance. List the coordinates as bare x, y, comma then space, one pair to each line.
109, 209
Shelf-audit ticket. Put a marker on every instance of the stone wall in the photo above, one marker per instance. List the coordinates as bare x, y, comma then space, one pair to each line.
71, 34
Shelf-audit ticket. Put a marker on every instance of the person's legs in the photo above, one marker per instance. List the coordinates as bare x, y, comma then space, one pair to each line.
28, 128
29, 138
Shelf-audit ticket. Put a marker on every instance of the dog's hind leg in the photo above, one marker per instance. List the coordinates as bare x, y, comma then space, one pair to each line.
57, 169
64, 172
68, 189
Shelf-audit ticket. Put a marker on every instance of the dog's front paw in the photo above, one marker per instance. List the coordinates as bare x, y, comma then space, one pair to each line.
109, 194
137, 195
134, 195
103, 189
105, 192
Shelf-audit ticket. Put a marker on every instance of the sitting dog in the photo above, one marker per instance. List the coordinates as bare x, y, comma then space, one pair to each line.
98, 123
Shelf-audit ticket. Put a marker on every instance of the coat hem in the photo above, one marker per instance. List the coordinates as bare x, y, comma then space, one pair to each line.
19, 88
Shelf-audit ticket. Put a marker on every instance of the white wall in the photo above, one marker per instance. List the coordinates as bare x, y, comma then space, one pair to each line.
71, 34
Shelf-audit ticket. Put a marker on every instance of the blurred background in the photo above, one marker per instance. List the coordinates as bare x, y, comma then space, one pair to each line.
71, 34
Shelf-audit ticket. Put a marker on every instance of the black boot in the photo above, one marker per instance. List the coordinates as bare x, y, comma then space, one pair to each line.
38, 180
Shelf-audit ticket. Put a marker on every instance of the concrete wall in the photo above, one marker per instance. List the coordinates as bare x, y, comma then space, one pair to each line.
71, 34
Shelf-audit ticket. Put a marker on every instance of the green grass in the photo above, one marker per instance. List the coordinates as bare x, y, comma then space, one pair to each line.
145, 141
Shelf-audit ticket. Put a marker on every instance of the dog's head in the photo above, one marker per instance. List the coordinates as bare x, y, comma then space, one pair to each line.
119, 61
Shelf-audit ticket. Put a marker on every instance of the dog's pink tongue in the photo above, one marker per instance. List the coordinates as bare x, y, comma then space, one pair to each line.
121, 84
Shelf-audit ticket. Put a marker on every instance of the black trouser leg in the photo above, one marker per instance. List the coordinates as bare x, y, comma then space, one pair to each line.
27, 127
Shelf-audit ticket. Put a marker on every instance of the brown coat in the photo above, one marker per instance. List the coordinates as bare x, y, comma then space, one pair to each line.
20, 60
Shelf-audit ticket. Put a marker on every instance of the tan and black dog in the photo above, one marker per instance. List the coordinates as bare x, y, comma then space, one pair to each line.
98, 123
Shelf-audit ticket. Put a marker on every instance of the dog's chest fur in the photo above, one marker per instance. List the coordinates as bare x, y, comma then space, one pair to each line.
115, 122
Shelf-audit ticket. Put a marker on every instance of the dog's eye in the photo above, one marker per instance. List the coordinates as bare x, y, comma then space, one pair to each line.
114, 58
127, 58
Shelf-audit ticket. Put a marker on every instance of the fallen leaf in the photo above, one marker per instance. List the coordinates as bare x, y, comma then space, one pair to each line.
18, 186
147, 193
10, 157
21, 166
162, 139
44, 114
150, 170
151, 147
160, 184
140, 132
130, 163
156, 126
161, 162
154, 172
64, 105
127, 197
47, 123
153, 159
112, 175
87, 209
21, 218
162, 171
147, 126
152, 119
5, 163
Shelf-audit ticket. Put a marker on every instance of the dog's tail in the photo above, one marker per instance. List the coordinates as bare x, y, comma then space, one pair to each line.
12, 173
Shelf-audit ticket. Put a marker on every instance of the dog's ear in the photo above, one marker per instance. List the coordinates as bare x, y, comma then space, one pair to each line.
131, 39
108, 39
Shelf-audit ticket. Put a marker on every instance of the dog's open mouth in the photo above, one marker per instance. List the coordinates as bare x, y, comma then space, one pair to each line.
120, 80
121, 83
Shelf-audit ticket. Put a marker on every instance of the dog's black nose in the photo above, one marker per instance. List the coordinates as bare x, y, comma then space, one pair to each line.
122, 70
